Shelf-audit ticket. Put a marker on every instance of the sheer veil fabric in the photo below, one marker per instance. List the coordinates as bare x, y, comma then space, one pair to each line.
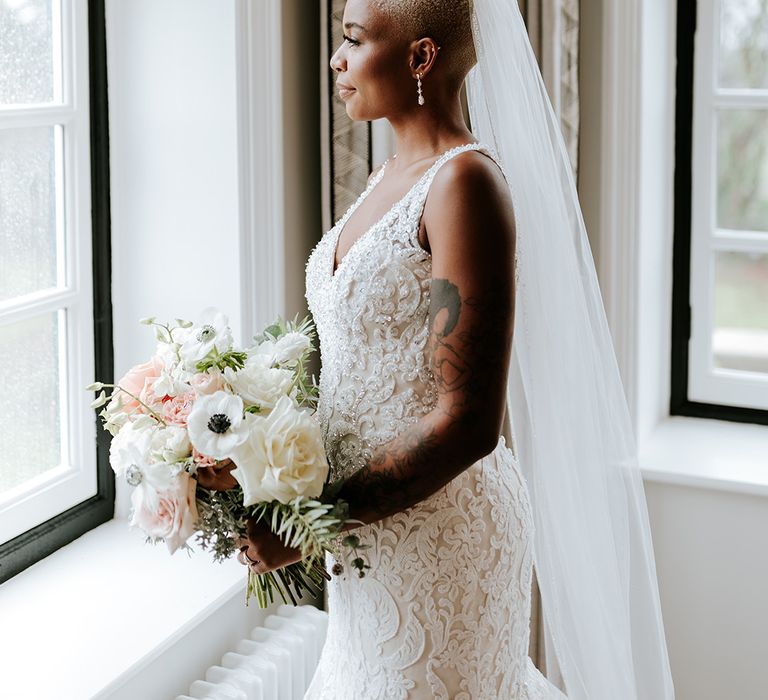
571, 428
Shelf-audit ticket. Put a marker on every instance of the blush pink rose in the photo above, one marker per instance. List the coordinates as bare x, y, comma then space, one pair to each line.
176, 409
138, 382
171, 514
202, 460
205, 383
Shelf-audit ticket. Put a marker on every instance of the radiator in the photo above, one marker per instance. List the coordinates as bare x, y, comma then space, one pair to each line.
276, 663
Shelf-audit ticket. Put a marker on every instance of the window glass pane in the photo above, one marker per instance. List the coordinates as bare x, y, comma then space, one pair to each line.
744, 44
28, 249
741, 311
26, 52
742, 169
30, 440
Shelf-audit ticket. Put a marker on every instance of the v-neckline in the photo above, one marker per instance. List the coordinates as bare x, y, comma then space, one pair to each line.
343, 223
379, 176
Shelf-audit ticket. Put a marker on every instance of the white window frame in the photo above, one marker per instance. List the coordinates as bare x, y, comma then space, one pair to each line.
75, 480
706, 383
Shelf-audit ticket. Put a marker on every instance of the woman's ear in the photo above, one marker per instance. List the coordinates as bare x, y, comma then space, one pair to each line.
423, 55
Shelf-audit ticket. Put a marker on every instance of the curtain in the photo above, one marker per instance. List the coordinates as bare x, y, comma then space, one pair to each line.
553, 27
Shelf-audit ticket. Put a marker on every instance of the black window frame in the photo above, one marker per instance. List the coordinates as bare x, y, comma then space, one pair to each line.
679, 403
28, 548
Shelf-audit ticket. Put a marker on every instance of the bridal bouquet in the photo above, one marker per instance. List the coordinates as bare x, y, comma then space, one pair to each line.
200, 401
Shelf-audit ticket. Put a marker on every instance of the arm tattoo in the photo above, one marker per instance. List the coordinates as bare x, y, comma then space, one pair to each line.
444, 310
465, 363
469, 343
444, 295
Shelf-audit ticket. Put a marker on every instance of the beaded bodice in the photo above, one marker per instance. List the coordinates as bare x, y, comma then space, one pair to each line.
372, 321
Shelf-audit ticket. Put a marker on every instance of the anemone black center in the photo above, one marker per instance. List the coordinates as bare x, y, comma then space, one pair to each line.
206, 333
219, 423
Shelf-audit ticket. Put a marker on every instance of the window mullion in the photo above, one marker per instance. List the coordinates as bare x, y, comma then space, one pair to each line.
31, 305
53, 115
740, 241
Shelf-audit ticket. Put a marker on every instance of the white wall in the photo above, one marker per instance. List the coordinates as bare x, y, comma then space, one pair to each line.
713, 569
173, 142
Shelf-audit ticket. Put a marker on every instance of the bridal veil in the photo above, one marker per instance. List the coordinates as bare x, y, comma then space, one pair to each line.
570, 421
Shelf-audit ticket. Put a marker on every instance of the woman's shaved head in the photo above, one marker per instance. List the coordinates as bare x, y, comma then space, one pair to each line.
448, 22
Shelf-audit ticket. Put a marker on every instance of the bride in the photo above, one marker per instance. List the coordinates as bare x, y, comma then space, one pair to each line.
458, 239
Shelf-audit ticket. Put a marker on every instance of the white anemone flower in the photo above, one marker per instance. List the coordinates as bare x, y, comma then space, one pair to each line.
130, 448
212, 333
216, 425
155, 477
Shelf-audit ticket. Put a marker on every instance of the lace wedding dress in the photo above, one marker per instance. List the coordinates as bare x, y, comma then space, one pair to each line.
444, 610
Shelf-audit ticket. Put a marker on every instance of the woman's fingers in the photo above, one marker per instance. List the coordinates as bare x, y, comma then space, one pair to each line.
262, 550
255, 565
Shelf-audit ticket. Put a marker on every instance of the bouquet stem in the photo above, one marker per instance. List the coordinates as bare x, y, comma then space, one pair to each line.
297, 576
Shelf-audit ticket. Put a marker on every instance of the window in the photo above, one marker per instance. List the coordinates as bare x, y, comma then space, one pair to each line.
55, 307
720, 308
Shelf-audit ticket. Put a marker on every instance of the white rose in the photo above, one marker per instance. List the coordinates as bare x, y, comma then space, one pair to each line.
259, 384
290, 347
265, 349
282, 458
170, 444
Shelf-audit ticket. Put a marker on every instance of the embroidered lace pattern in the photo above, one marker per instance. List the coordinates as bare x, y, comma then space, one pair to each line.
444, 610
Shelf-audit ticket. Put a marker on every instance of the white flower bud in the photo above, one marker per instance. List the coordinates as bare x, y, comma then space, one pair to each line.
100, 400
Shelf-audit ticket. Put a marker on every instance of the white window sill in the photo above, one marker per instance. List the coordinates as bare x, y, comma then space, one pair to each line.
95, 614
711, 454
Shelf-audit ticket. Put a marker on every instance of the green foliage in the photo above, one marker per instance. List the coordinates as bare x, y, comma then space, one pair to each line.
234, 359
304, 523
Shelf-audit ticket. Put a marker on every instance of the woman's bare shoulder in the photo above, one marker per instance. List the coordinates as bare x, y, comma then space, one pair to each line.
470, 172
469, 196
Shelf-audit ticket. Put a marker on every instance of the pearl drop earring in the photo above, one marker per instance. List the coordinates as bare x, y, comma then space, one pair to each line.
418, 85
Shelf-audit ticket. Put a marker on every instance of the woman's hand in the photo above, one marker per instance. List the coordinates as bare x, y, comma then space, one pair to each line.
218, 478
263, 551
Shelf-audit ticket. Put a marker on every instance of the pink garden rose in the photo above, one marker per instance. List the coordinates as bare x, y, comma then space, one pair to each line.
138, 381
170, 514
176, 409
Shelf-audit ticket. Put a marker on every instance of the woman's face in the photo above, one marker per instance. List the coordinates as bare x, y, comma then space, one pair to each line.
372, 65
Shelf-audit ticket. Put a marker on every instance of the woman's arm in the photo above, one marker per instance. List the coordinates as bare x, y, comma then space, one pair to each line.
470, 226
